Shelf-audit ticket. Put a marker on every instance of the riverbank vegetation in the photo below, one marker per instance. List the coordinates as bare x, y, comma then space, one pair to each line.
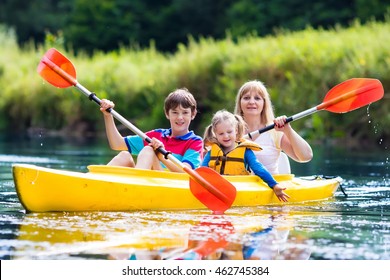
298, 68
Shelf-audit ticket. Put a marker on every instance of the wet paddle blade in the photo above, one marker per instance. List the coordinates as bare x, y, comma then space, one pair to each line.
352, 94
210, 199
50, 68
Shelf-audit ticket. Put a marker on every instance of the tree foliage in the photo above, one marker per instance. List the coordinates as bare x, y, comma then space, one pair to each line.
298, 68
107, 24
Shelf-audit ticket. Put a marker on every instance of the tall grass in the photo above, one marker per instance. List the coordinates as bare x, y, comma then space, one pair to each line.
298, 68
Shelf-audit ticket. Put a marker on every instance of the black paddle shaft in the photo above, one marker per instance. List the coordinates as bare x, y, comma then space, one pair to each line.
269, 127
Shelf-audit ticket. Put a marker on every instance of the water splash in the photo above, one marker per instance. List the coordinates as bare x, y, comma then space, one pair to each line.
40, 136
385, 163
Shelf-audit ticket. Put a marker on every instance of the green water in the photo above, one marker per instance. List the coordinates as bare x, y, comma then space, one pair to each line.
355, 227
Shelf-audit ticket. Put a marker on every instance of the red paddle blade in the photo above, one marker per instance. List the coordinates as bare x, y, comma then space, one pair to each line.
57, 69
352, 94
212, 198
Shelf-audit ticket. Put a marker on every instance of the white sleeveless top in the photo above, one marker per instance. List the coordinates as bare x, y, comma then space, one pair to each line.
269, 155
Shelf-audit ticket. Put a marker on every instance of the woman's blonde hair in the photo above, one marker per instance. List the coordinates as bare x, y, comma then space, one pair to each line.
223, 115
267, 115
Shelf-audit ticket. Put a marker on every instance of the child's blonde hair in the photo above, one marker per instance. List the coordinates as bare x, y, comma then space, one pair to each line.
267, 115
222, 115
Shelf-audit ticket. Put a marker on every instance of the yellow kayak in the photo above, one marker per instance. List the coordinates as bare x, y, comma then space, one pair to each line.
108, 188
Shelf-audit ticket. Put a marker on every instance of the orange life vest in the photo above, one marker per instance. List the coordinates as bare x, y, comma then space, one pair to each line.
231, 163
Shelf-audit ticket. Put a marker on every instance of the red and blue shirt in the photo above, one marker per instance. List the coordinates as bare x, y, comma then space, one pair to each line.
187, 148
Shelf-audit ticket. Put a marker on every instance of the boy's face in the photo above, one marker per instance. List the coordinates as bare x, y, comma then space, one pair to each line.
180, 119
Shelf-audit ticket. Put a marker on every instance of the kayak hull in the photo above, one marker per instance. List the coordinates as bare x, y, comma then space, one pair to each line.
108, 188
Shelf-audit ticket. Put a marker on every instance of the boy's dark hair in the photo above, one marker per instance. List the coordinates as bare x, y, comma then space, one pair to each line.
181, 97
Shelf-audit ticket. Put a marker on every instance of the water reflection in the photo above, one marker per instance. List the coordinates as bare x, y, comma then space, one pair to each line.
161, 235
207, 238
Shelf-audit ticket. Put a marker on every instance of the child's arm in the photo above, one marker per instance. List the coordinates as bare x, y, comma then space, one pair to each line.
263, 173
206, 159
259, 169
115, 139
155, 144
194, 153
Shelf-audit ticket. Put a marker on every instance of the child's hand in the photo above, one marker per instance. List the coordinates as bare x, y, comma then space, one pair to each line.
155, 144
279, 192
106, 104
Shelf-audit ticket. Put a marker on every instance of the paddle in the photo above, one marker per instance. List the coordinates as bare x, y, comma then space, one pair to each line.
208, 186
342, 98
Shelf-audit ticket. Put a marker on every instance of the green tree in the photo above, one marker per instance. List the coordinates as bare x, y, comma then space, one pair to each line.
32, 20
197, 18
260, 17
166, 23
107, 24
102, 25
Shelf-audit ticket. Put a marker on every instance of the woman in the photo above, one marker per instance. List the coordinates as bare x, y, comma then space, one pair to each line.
253, 103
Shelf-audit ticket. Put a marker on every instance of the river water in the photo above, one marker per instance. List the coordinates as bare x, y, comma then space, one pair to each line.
352, 227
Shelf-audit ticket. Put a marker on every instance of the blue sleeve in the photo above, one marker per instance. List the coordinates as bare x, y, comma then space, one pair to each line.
206, 159
192, 157
257, 168
193, 153
134, 144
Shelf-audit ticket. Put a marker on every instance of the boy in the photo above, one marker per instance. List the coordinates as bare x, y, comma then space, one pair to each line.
180, 109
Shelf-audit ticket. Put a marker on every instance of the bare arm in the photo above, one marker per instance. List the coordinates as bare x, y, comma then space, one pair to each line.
115, 139
292, 143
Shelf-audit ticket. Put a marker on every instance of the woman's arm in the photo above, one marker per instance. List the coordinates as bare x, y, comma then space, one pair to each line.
292, 143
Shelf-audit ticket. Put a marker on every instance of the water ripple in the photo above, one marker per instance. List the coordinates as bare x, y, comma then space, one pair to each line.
6, 159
